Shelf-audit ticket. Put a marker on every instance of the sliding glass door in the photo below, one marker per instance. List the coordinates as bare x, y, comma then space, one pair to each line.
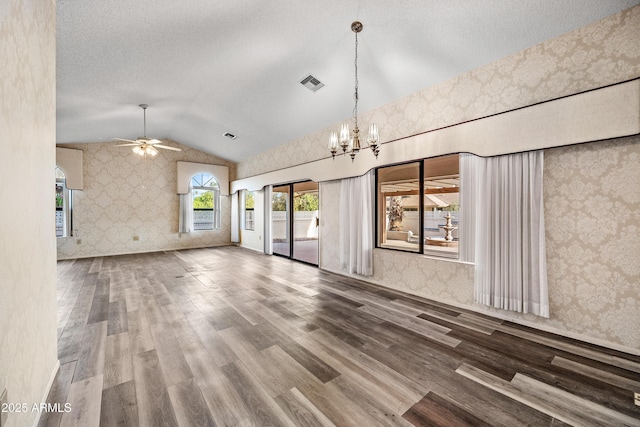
280, 224
295, 221
305, 222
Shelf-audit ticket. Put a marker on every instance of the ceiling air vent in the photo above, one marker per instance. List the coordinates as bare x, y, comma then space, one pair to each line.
311, 83
229, 135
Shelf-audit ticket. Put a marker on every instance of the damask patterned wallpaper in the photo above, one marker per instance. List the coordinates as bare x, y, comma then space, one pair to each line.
593, 56
126, 195
592, 215
28, 350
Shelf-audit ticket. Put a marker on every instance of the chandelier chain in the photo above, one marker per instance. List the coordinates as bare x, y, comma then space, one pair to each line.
355, 108
350, 140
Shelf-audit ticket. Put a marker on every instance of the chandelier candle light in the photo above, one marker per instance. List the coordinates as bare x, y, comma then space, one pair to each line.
351, 140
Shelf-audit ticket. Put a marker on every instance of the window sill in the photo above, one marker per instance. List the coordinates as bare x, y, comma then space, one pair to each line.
428, 255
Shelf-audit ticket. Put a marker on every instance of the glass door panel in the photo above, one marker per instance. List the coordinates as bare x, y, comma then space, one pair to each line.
305, 222
280, 225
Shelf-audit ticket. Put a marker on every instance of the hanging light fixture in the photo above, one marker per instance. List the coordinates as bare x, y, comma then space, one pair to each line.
350, 140
144, 146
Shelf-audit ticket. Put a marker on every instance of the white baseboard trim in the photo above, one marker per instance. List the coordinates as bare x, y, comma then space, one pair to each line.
47, 390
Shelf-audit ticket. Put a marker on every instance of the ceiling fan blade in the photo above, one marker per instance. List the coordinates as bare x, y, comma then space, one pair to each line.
166, 147
125, 140
128, 145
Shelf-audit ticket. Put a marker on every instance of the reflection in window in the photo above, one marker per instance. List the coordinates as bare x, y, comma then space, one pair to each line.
205, 192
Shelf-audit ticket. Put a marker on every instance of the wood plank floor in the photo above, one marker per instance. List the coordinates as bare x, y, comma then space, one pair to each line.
229, 337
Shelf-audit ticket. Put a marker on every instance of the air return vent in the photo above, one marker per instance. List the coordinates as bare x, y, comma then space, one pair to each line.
311, 83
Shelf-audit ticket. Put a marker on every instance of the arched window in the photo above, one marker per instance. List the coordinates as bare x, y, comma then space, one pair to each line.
205, 195
63, 205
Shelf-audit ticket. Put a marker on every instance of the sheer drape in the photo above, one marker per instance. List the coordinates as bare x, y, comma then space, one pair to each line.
356, 225
510, 253
185, 223
268, 248
468, 204
235, 217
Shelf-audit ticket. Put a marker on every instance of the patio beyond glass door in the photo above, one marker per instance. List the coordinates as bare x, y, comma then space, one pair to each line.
295, 221
280, 225
305, 222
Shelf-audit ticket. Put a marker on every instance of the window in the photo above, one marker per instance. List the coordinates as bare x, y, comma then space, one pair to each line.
420, 214
249, 205
205, 193
399, 207
63, 205
441, 205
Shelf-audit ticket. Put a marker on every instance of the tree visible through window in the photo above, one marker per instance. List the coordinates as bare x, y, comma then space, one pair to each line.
249, 206
206, 202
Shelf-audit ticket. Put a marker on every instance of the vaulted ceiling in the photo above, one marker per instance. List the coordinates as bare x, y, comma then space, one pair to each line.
209, 67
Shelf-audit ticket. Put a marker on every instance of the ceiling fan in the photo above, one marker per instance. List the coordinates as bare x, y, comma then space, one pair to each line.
143, 145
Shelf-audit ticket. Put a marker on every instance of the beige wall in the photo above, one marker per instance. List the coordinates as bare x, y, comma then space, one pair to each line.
28, 356
126, 195
593, 268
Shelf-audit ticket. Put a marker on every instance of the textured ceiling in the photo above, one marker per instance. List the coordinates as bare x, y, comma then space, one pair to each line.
209, 67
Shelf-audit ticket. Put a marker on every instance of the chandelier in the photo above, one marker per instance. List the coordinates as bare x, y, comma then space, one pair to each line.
350, 140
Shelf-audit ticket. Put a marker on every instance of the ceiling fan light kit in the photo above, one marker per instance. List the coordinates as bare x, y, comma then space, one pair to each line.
350, 140
144, 146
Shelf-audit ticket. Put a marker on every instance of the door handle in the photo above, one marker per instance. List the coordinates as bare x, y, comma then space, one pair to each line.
317, 222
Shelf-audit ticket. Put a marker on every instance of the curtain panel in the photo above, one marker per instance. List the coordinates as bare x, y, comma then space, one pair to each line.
510, 255
468, 204
268, 248
356, 227
185, 222
235, 217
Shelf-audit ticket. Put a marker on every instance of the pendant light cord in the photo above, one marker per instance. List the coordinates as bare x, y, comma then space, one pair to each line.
355, 109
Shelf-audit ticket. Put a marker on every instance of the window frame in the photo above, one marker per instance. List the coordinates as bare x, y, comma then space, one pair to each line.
215, 189
248, 225
422, 247
66, 208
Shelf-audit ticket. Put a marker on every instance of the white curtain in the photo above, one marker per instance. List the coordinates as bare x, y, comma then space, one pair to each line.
356, 225
468, 204
235, 223
511, 271
268, 246
185, 223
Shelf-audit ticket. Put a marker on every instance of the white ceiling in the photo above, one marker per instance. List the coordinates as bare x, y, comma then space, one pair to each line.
207, 67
